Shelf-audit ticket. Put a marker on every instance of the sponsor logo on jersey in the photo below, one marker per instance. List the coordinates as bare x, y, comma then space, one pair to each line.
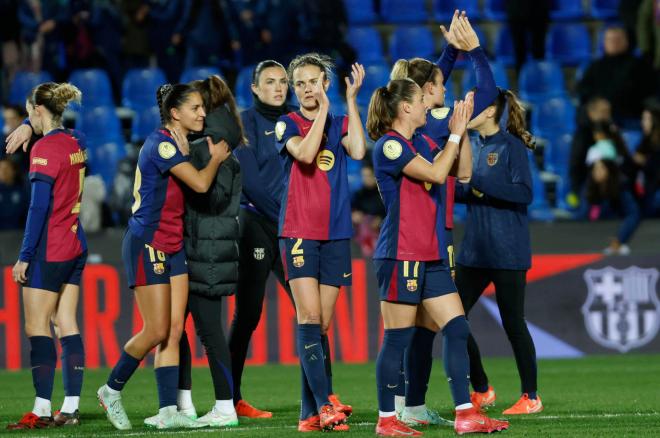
325, 160
40, 161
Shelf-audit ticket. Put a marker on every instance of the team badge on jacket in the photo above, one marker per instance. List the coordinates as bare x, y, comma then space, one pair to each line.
299, 261
159, 268
492, 158
259, 253
411, 285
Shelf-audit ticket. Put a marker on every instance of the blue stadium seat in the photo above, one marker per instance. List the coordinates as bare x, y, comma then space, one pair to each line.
566, 10
539, 209
605, 9
632, 137
499, 73
540, 80
367, 43
95, 86
139, 87
553, 116
146, 120
243, 87
199, 73
100, 125
504, 51
569, 44
443, 10
377, 75
404, 11
495, 10
104, 160
23, 83
410, 42
360, 11
557, 152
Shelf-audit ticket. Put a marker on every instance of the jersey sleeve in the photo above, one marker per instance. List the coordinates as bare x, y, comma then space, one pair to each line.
391, 156
166, 155
45, 162
437, 125
285, 129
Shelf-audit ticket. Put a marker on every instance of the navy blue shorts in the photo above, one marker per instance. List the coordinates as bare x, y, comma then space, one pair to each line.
329, 261
412, 282
53, 275
146, 266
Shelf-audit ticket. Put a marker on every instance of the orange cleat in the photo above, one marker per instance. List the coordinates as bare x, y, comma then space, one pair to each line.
339, 406
391, 426
483, 400
245, 409
31, 421
525, 405
474, 421
330, 418
311, 424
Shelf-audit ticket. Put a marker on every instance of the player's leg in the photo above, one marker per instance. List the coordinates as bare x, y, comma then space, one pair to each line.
184, 400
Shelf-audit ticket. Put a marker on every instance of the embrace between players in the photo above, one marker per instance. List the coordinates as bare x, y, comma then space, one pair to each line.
295, 207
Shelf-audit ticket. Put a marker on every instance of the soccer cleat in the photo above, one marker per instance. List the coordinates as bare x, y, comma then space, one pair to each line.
170, 418
391, 426
114, 410
153, 420
189, 412
215, 418
484, 400
339, 406
31, 421
66, 419
245, 409
525, 405
473, 420
311, 424
329, 417
427, 417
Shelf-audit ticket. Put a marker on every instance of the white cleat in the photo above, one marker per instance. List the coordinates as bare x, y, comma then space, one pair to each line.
170, 418
114, 410
217, 419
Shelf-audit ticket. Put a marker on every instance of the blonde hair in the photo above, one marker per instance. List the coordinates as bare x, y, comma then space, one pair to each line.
418, 69
55, 97
384, 105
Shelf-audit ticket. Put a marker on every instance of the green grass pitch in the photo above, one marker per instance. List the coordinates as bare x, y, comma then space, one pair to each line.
597, 396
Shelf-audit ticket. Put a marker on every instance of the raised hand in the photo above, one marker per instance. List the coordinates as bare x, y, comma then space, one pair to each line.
218, 150
358, 74
449, 34
319, 92
459, 118
466, 37
19, 138
181, 142
469, 104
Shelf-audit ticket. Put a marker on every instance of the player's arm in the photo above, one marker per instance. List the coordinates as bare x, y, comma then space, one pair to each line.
305, 149
448, 57
355, 142
462, 168
518, 189
19, 137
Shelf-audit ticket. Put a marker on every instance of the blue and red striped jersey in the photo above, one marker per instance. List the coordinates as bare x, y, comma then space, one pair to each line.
158, 198
419, 214
59, 158
316, 202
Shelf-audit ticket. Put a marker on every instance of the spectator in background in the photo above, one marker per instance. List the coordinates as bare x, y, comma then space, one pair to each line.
619, 77
91, 212
628, 11
647, 157
163, 16
9, 38
280, 22
368, 210
121, 196
135, 43
249, 29
14, 198
528, 20
648, 34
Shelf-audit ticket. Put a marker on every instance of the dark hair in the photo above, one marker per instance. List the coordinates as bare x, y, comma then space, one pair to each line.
55, 97
172, 96
216, 93
606, 191
653, 107
418, 69
515, 122
263, 65
323, 62
19, 109
384, 105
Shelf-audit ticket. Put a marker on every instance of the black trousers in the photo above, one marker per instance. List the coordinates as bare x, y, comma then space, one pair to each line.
207, 314
510, 296
259, 255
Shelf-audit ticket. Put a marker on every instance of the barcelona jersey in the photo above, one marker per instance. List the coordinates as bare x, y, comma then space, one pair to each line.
158, 205
419, 214
59, 159
316, 202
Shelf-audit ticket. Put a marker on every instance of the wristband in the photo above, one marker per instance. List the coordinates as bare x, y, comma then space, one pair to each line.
455, 138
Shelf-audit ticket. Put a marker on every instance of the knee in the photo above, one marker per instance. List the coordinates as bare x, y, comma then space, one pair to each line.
176, 330
309, 318
157, 333
457, 328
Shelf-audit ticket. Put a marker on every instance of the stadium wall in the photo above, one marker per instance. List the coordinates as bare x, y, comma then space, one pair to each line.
577, 304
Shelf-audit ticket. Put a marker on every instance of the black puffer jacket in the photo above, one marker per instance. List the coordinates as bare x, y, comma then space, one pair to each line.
211, 221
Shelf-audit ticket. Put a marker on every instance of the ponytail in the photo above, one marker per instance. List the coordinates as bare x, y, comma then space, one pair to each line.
55, 97
171, 96
515, 121
216, 93
419, 70
384, 105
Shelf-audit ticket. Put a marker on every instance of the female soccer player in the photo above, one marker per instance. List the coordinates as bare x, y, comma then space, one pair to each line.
315, 219
153, 252
211, 246
53, 255
497, 198
431, 79
410, 261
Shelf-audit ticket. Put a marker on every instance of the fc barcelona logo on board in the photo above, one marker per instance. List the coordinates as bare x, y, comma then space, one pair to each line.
411, 285
492, 158
159, 268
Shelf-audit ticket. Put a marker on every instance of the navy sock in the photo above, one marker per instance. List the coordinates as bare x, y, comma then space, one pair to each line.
43, 359
403, 382
388, 365
532, 395
417, 364
122, 371
307, 402
73, 364
455, 358
327, 362
167, 380
311, 358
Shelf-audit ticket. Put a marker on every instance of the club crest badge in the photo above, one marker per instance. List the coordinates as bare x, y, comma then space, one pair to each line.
159, 268
299, 261
259, 253
492, 158
411, 285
